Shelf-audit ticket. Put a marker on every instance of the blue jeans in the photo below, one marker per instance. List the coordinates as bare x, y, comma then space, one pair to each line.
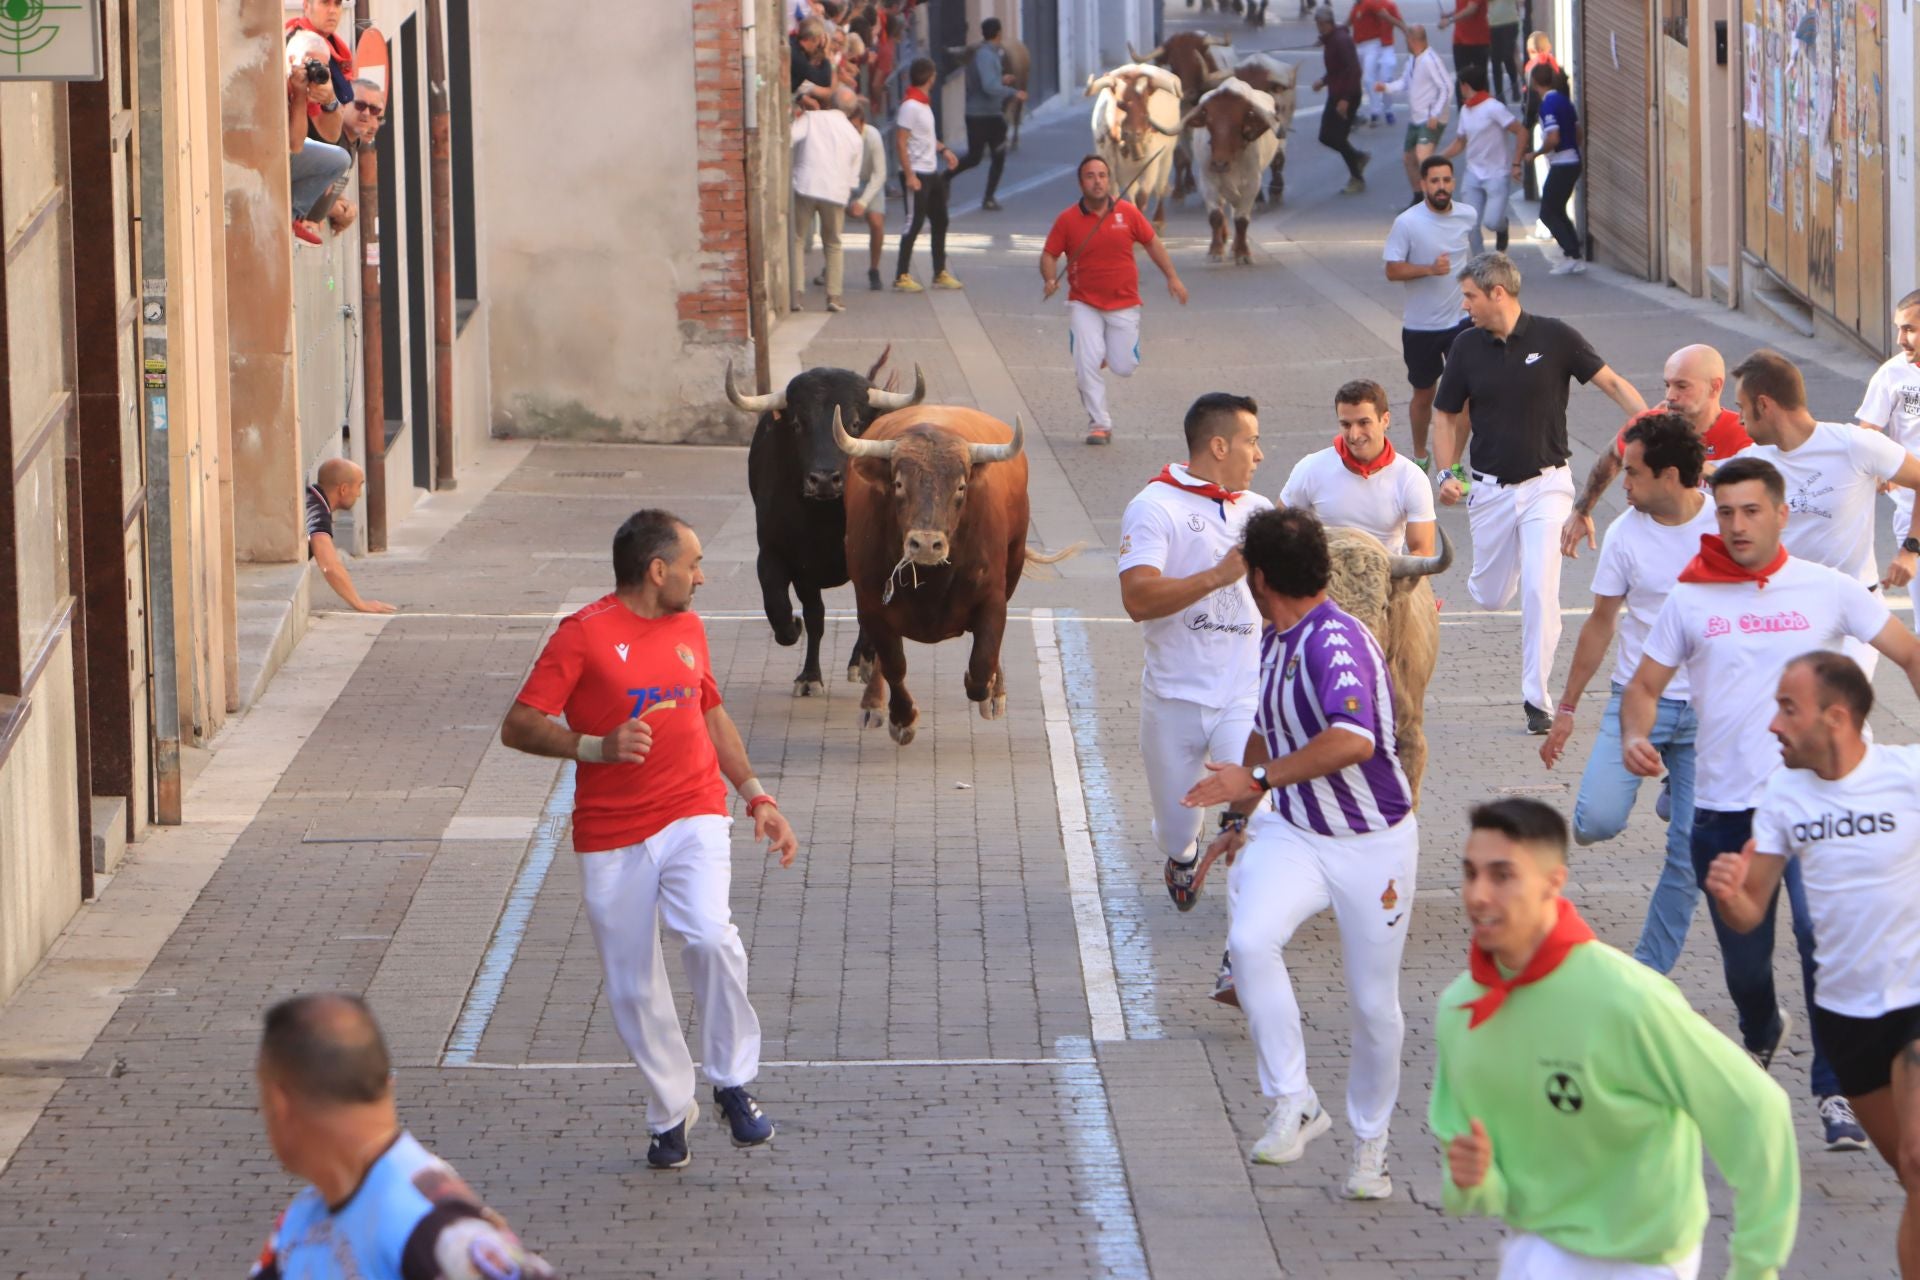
313, 168
1748, 957
1607, 793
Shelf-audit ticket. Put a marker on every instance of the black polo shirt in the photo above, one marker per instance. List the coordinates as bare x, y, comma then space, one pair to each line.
1517, 387
804, 70
319, 515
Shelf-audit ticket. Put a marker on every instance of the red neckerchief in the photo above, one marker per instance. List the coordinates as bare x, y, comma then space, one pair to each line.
1204, 488
1477, 99
1358, 467
341, 54
920, 96
1714, 564
1568, 932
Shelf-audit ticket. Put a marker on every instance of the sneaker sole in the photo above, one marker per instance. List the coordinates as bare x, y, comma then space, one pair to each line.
1308, 1132
693, 1116
772, 1130
1381, 1190
1846, 1144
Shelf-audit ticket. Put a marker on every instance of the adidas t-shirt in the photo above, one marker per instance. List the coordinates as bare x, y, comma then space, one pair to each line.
1858, 841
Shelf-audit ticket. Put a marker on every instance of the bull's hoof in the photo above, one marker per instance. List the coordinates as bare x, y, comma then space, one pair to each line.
788, 632
806, 686
872, 717
903, 733
860, 672
1242, 259
1213, 255
993, 708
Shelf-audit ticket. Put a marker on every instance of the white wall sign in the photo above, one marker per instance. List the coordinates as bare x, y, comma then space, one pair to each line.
50, 40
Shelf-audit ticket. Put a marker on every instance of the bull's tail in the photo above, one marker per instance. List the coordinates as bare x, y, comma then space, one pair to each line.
1068, 553
880, 364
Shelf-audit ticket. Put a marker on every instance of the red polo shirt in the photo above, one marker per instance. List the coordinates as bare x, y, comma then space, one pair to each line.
1102, 274
606, 664
1724, 438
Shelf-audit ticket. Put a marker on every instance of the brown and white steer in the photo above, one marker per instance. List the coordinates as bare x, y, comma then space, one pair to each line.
1233, 143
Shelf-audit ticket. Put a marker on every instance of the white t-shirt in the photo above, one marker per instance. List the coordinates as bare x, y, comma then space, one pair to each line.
1734, 639
1858, 841
1209, 652
1892, 403
1420, 236
922, 143
827, 151
1383, 503
1641, 559
1831, 481
1490, 147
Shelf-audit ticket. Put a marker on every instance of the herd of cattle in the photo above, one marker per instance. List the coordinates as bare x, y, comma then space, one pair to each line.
924, 509
1184, 111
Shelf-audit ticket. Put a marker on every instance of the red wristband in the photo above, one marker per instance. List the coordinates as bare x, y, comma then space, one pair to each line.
757, 801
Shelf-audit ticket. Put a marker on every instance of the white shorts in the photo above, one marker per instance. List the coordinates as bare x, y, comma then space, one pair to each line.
1529, 1257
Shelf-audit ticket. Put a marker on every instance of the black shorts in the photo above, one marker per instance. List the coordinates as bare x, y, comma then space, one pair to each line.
1861, 1050
1425, 351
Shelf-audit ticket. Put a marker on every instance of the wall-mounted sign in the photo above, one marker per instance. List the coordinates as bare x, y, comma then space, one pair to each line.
50, 40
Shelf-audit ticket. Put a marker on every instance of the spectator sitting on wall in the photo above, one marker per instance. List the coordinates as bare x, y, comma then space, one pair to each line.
368, 109
334, 91
312, 166
336, 487
812, 74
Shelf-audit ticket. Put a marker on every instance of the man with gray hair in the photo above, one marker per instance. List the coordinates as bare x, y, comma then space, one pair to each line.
1508, 376
827, 152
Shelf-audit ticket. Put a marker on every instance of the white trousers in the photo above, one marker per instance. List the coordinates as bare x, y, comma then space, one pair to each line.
1285, 875
1516, 544
1379, 64
1177, 738
1530, 1257
1096, 336
680, 878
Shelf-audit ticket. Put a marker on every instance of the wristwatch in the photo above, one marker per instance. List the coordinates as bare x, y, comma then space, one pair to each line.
1911, 546
1260, 778
328, 108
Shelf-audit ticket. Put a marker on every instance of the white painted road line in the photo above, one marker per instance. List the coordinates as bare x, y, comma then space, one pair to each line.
1083, 873
791, 1064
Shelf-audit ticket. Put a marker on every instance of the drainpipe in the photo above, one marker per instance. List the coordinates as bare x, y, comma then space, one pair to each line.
758, 312
373, 375
163, 680
440, 153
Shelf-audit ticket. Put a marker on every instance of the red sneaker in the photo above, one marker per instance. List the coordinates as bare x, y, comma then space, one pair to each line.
1097, 434
302, 231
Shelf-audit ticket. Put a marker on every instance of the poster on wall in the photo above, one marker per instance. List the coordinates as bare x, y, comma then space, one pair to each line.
1754, 108
1777, 175
1776, 89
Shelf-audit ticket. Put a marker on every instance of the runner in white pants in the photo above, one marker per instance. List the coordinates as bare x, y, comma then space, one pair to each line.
1335, 828
1182, 578
1096, 235
1506, 385
631, 675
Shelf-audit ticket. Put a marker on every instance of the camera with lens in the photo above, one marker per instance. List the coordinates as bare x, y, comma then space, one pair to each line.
317, 72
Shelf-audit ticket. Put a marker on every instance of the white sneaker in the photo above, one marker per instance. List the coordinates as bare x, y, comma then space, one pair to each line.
1367, 1177
1295, 1122
1567, 267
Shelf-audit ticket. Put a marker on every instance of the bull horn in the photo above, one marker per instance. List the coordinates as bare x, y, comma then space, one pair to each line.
1096, 83
1214, 79
900, 399
772, 402
1132, 55
1153, 55
979, 453
858, 448
1422, 566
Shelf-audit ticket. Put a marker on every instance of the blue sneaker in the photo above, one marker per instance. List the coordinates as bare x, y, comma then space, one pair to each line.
668, 1149
749, 1124
1390, 119
1843, 1129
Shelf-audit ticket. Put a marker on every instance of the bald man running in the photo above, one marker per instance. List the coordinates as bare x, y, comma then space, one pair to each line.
1695, 376
336, 487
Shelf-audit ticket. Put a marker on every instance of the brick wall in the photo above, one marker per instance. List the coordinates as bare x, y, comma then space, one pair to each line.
716, 309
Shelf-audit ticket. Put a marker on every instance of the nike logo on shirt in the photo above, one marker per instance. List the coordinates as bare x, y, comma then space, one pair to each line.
1535, 356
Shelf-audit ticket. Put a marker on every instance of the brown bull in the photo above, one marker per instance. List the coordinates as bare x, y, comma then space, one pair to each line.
936, 539
1392, 596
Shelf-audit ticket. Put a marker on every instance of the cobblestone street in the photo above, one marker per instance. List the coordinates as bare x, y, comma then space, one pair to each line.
988, 1042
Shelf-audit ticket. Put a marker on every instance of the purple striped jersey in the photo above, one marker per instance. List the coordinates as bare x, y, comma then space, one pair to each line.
1323, 671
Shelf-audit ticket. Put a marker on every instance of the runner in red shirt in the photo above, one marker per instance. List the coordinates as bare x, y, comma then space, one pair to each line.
1472, 37
1695, 377
1373, 23
631, 675
1097, 234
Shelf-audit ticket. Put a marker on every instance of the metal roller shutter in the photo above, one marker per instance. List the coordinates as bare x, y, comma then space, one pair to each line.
1614, 114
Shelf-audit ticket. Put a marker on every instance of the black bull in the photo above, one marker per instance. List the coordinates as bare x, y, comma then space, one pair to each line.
795, 473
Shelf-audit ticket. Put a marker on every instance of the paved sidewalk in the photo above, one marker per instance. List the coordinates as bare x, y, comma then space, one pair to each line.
988, 1043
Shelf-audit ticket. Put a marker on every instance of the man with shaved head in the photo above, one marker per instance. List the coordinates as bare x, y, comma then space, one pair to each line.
336, 486
1695, 377
378, 1204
